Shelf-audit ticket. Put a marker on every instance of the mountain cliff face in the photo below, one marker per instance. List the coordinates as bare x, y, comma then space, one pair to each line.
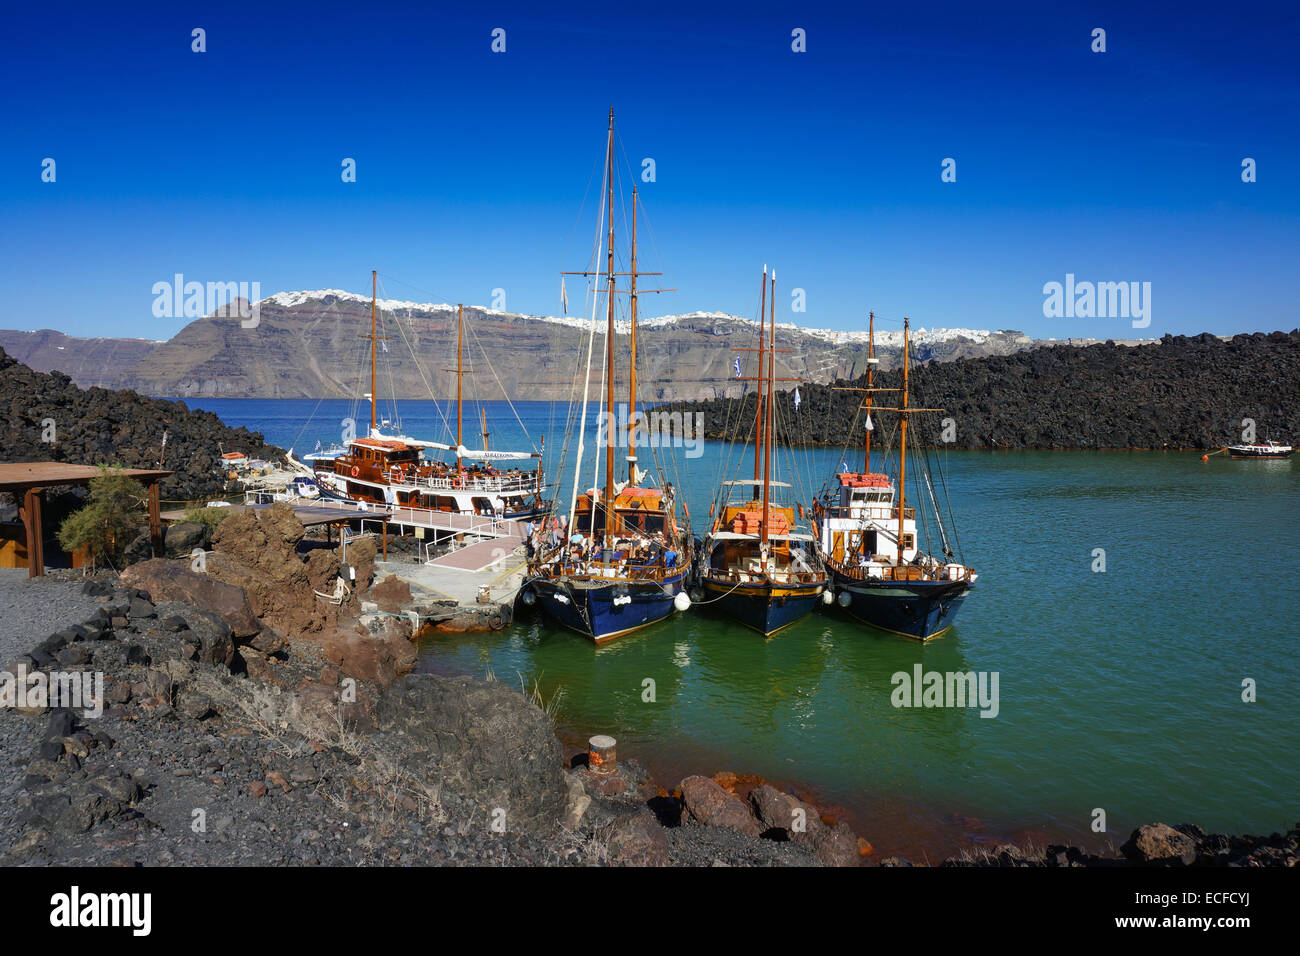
312, 345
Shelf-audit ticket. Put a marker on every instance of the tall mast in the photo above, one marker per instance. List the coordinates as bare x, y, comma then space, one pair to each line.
902, 450
762, 341
483, 414
871, 354
460, 320
767, 419
631, 387
374, 286
609, 341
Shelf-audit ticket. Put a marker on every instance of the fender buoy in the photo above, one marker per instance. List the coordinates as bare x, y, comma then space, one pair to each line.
355, 471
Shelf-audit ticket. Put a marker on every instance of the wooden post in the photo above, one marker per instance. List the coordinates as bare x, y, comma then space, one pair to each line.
384, 538
31, 517
155, 520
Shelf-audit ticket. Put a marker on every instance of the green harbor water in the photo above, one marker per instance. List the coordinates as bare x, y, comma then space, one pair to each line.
1119, 690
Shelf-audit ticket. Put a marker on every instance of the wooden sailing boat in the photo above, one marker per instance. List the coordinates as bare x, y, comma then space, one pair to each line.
391, 469
868, 535
622, 562
758, 564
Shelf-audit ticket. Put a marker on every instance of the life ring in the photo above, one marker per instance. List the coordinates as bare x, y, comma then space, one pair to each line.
355, 471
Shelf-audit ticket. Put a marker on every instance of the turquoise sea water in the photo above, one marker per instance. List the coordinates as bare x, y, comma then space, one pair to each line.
1119, 690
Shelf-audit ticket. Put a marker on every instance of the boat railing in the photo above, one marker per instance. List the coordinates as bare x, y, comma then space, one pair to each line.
512, 483
740, 576
908, 572
870, 512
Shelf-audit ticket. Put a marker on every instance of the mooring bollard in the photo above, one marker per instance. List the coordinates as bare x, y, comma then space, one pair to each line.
601, 755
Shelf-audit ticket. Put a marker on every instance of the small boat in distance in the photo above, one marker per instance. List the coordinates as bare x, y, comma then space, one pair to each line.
1269, 449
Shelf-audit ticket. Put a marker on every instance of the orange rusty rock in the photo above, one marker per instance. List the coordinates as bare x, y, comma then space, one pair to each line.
865, 848
726, 780
257, 788
278, 780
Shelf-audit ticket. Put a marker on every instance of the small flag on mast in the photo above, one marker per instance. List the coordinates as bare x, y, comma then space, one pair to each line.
797, 400
564, 297
870, 427
737, 368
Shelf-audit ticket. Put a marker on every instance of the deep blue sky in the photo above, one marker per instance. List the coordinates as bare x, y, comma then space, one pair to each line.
472, 166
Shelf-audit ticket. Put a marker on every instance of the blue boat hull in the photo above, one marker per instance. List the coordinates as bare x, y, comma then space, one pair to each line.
597, 612
915, 609
763, 607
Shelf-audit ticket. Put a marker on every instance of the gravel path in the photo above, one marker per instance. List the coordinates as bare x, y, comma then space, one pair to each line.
32, 608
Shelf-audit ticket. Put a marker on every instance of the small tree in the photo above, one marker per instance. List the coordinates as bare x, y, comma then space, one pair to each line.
107, 521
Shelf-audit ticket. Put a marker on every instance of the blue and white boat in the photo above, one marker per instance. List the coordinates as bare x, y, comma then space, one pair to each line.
618, 561
869, 542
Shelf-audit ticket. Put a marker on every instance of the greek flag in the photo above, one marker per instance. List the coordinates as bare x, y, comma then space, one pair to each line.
318, 444
737, 368
844, 465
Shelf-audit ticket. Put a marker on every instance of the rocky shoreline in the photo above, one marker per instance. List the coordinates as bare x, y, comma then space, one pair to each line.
1182, 392
49, 418
249, 721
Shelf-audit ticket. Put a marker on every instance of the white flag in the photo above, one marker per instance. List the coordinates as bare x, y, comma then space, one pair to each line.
870, 427
564, 297
796, 398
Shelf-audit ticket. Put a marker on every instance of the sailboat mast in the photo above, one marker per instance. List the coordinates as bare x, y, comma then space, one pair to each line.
762, 341
767, 419
460, 321
902, 450
631, 387
609, 341
871, 354
374, 287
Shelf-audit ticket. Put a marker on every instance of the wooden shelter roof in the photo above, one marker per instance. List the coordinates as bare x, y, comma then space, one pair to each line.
18, 476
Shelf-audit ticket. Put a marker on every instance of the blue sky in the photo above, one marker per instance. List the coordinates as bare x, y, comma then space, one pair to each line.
472, 166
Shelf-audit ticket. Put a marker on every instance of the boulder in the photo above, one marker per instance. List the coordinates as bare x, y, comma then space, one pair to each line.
480, 740
1157, 844
172, 581
636, 839
707, 803
378, 658
257, 551
786, 817
180, 539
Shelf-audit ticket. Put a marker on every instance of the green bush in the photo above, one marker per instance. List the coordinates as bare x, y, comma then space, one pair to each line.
110, 520
208, 516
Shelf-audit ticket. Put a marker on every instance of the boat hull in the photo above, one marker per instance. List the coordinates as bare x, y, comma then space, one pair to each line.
598, 612
763, 607
917, 609
914, 609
